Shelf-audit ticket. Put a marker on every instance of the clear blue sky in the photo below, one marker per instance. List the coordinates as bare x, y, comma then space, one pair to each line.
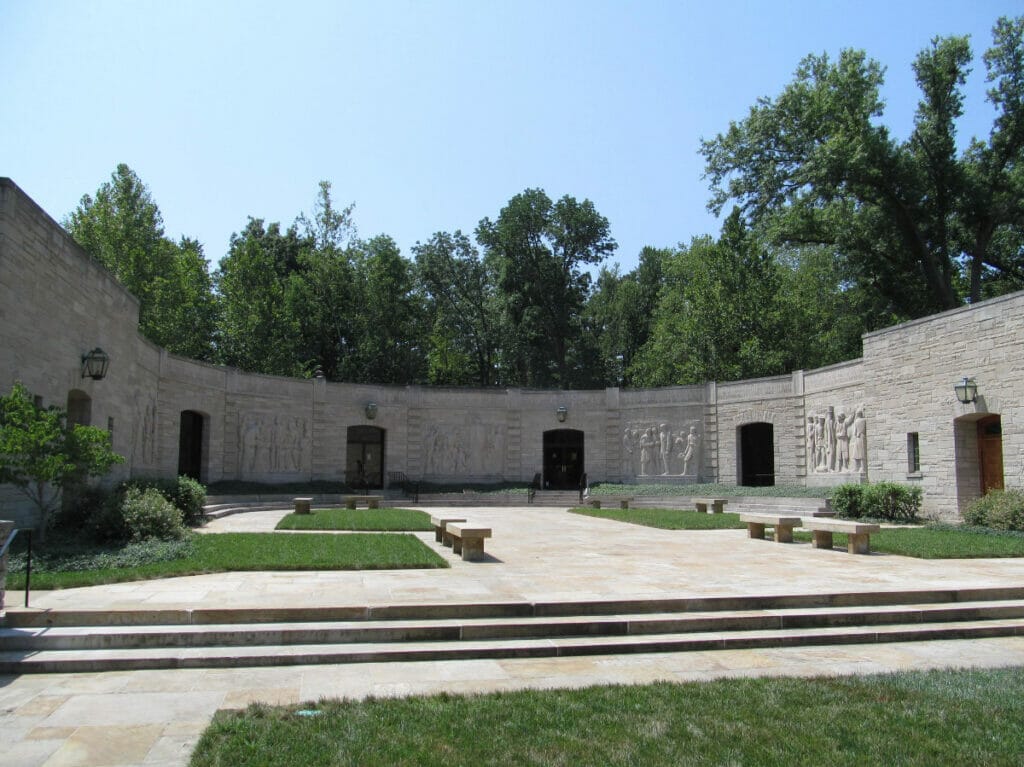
428, 115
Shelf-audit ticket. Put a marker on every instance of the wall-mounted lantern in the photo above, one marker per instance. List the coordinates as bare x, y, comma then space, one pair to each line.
95, 364
371, 410
966, 391
562, 413
319, 373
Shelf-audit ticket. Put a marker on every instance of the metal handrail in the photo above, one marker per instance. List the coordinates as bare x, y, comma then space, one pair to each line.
28, 557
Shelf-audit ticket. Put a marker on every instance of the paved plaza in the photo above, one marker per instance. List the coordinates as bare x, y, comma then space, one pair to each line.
536, 554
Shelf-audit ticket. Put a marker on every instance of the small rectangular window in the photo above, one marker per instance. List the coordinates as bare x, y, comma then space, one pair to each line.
913, 453
37, 400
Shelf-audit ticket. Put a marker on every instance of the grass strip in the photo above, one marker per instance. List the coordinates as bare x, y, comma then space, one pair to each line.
666, 519
910, 718
226, 552
941, 542
358, 519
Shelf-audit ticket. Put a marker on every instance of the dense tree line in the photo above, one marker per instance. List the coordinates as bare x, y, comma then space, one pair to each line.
836, 229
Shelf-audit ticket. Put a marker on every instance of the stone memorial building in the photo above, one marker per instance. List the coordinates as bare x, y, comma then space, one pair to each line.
891, 415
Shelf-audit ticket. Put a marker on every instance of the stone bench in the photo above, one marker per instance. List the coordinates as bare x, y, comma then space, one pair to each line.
467, 539
371, 501
440, 533
302, 505
595, 501
717, 504
858, 533
783, 525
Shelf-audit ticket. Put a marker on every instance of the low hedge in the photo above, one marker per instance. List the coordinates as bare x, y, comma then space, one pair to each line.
883, 500
998, 509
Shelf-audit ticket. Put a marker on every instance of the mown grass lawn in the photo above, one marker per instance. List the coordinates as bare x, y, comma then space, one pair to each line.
358, 519
225, 552
666, 519
912, 718
925, 542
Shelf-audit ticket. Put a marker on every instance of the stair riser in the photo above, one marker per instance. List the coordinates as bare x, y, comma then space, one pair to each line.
56, 618
611, 647
532, 630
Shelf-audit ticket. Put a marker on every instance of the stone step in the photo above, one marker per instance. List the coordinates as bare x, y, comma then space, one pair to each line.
57, 661
18, 617
380, 631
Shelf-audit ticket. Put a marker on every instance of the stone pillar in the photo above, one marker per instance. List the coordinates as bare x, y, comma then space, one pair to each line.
6, 526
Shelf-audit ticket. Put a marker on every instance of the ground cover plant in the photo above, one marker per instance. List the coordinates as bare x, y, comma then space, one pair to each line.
666, 519
358, 519
911, 718
710, 490
82, 565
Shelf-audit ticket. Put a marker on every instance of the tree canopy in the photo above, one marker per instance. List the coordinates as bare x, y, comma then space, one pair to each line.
921, 224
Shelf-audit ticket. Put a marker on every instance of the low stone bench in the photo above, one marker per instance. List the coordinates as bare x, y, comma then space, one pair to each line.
302, 505
371, 501
467, 539
440, 533
595, 501
717, 504
783, 525
858, 533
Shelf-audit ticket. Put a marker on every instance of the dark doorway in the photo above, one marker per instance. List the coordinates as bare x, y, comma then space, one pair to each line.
757, 455
364, 457
563, 459
79, 408
190, 445
990, 453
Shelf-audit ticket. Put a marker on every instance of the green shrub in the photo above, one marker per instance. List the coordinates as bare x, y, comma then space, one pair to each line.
848, 501
884, 500
147, 514
892, 502
79, 508
187, 495
999, 509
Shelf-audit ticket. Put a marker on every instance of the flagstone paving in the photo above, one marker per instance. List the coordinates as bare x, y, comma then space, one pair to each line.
536, 554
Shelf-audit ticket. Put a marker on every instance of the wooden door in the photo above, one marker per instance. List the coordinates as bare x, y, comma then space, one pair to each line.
990, 453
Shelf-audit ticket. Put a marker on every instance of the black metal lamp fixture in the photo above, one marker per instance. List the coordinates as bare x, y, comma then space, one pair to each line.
371, 410
966, 391
562, 413
95, 364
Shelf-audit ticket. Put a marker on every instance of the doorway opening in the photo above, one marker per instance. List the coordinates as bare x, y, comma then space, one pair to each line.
364, 457
990, 453
756, 458
190, 444
563, 459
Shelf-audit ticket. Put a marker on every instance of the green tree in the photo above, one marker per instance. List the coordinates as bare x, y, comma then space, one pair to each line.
122, 228
461, 297
322, 294
41, 454
620, 312
917, 223
390, 334
538, 251
257, 332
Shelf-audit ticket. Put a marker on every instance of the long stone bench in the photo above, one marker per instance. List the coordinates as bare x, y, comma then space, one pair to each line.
783, 524
440, 533
858, 533
371, 501
594, 501
467, 539
717, 504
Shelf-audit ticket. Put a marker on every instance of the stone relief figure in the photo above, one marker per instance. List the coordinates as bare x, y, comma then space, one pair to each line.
836, 443
692, 442
842, 442
665, 448
646, 444
858, 445
275, 444
144, 432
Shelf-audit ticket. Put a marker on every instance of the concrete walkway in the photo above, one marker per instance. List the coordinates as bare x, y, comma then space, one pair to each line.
536, 554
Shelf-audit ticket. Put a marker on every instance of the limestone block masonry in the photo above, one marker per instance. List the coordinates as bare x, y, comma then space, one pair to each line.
891, 415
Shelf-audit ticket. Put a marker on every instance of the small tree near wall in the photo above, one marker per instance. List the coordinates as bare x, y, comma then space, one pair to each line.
41, 454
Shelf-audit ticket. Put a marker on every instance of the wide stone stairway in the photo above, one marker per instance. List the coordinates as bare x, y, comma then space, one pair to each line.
70, 640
